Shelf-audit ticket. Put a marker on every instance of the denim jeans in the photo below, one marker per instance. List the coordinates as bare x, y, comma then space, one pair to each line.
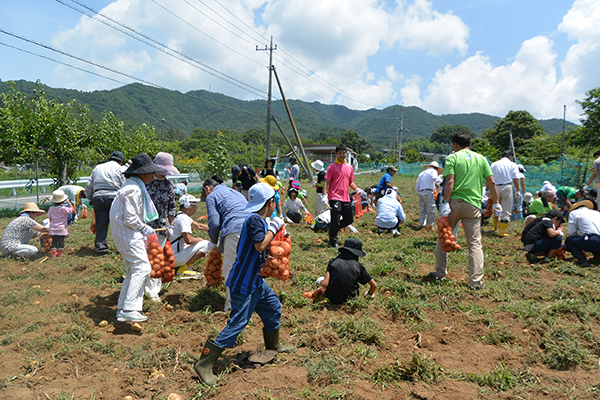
266, 304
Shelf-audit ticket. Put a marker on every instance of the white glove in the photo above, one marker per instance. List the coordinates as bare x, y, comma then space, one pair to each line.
211, 246
446, 210
148, 230
359, 190
497, 209
320, 279
586, 187
314, 183
287, 220
275, 225
369, 296
518, 195
324, 199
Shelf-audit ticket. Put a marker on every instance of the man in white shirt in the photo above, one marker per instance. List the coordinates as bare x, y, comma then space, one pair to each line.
101, 189
426, 185
506, 174
521, 191
584, 232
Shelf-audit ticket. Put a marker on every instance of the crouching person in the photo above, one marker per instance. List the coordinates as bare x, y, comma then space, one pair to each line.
543, 237
187, 249
584, 232
390, 213
345, 272
249, 291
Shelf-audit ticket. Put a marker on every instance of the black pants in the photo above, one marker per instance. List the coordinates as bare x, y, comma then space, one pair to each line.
341, 216
102, 214
58, 242
295, 216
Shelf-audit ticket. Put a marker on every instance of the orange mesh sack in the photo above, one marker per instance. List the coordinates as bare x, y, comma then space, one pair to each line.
358, 210
155, 256
168, 270
447, 238
277, 263
214, 267
93, 223
314, 295
488, 209
46, 240
84, 212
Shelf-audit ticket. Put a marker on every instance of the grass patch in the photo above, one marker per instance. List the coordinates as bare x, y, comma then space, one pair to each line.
207, 300
419, 368
365, 330
325, 371
562, 350
499, 336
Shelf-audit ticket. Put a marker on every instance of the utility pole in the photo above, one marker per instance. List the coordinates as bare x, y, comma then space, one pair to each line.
163, 135
270, 49
562, 164
37, 165
400, 140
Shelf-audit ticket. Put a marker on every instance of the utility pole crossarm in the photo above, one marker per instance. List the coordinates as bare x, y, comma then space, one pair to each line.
270, 50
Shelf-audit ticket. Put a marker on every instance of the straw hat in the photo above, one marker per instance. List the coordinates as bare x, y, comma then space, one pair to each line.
434, 164
582, 203
31, 207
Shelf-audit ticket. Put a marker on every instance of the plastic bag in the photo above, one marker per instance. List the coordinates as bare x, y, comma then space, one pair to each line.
280, 251
445, 235
214, 267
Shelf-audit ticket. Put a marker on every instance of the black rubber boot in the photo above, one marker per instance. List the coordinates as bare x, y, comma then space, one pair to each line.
210, 354
272, 342
333, 242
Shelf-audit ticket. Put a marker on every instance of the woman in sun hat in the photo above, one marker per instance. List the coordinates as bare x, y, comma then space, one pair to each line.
130, 214
269, 168
162, 193
15, 238
59, 215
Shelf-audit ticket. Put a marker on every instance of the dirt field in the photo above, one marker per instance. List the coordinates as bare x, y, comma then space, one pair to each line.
532, 333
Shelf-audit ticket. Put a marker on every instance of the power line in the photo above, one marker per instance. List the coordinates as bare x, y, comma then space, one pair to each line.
105, 68
161, 47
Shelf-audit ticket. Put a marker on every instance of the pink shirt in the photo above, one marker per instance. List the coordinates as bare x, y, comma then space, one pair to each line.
58, 219
339, 177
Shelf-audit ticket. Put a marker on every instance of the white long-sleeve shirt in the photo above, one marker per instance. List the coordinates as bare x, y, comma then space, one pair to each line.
584, 221
125, 215
389, 212
505, 171
428, 179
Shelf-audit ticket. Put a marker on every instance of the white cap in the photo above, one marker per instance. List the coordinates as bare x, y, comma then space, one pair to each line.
187, 200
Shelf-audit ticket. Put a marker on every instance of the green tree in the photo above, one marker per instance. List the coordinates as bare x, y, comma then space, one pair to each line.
588, 134
522, 125
218, 161
35, 128
444, 134
483, 147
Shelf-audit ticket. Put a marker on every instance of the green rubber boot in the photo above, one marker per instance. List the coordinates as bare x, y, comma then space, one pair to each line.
272, 342
210, 354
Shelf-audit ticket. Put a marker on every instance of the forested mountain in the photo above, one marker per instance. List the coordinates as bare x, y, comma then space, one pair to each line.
182, 112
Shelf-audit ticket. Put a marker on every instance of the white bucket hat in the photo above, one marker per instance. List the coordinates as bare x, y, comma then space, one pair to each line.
187, 200
318, 165
528, 197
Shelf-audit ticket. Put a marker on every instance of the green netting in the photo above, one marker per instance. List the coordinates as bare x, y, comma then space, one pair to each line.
569, 173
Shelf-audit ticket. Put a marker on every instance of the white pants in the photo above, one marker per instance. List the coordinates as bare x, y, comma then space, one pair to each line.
319, 204
25, 250
152, 286
505, 195
186, 253
428, 210
137, 269
230, 243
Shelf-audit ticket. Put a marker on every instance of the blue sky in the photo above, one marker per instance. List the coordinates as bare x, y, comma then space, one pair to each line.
446, 56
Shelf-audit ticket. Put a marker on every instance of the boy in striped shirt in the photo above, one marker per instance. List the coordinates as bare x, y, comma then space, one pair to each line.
249, 291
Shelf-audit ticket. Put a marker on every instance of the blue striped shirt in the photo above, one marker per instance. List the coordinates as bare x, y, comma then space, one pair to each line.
244, 277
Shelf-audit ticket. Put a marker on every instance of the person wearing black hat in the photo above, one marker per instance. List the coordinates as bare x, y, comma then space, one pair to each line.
247, 178
542, 237
101, 189
345, 272
269, 168
131, 212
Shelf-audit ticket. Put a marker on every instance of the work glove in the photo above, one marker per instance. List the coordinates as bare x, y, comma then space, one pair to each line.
275, 225
148, 230
518, 195
497, 209
369, 296
324, 199
314, 183
446, 209
586, 187
320, 279
211, 246
287, 220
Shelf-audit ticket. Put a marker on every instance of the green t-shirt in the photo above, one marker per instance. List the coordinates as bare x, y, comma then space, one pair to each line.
568, 191
470, 170
537, 207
